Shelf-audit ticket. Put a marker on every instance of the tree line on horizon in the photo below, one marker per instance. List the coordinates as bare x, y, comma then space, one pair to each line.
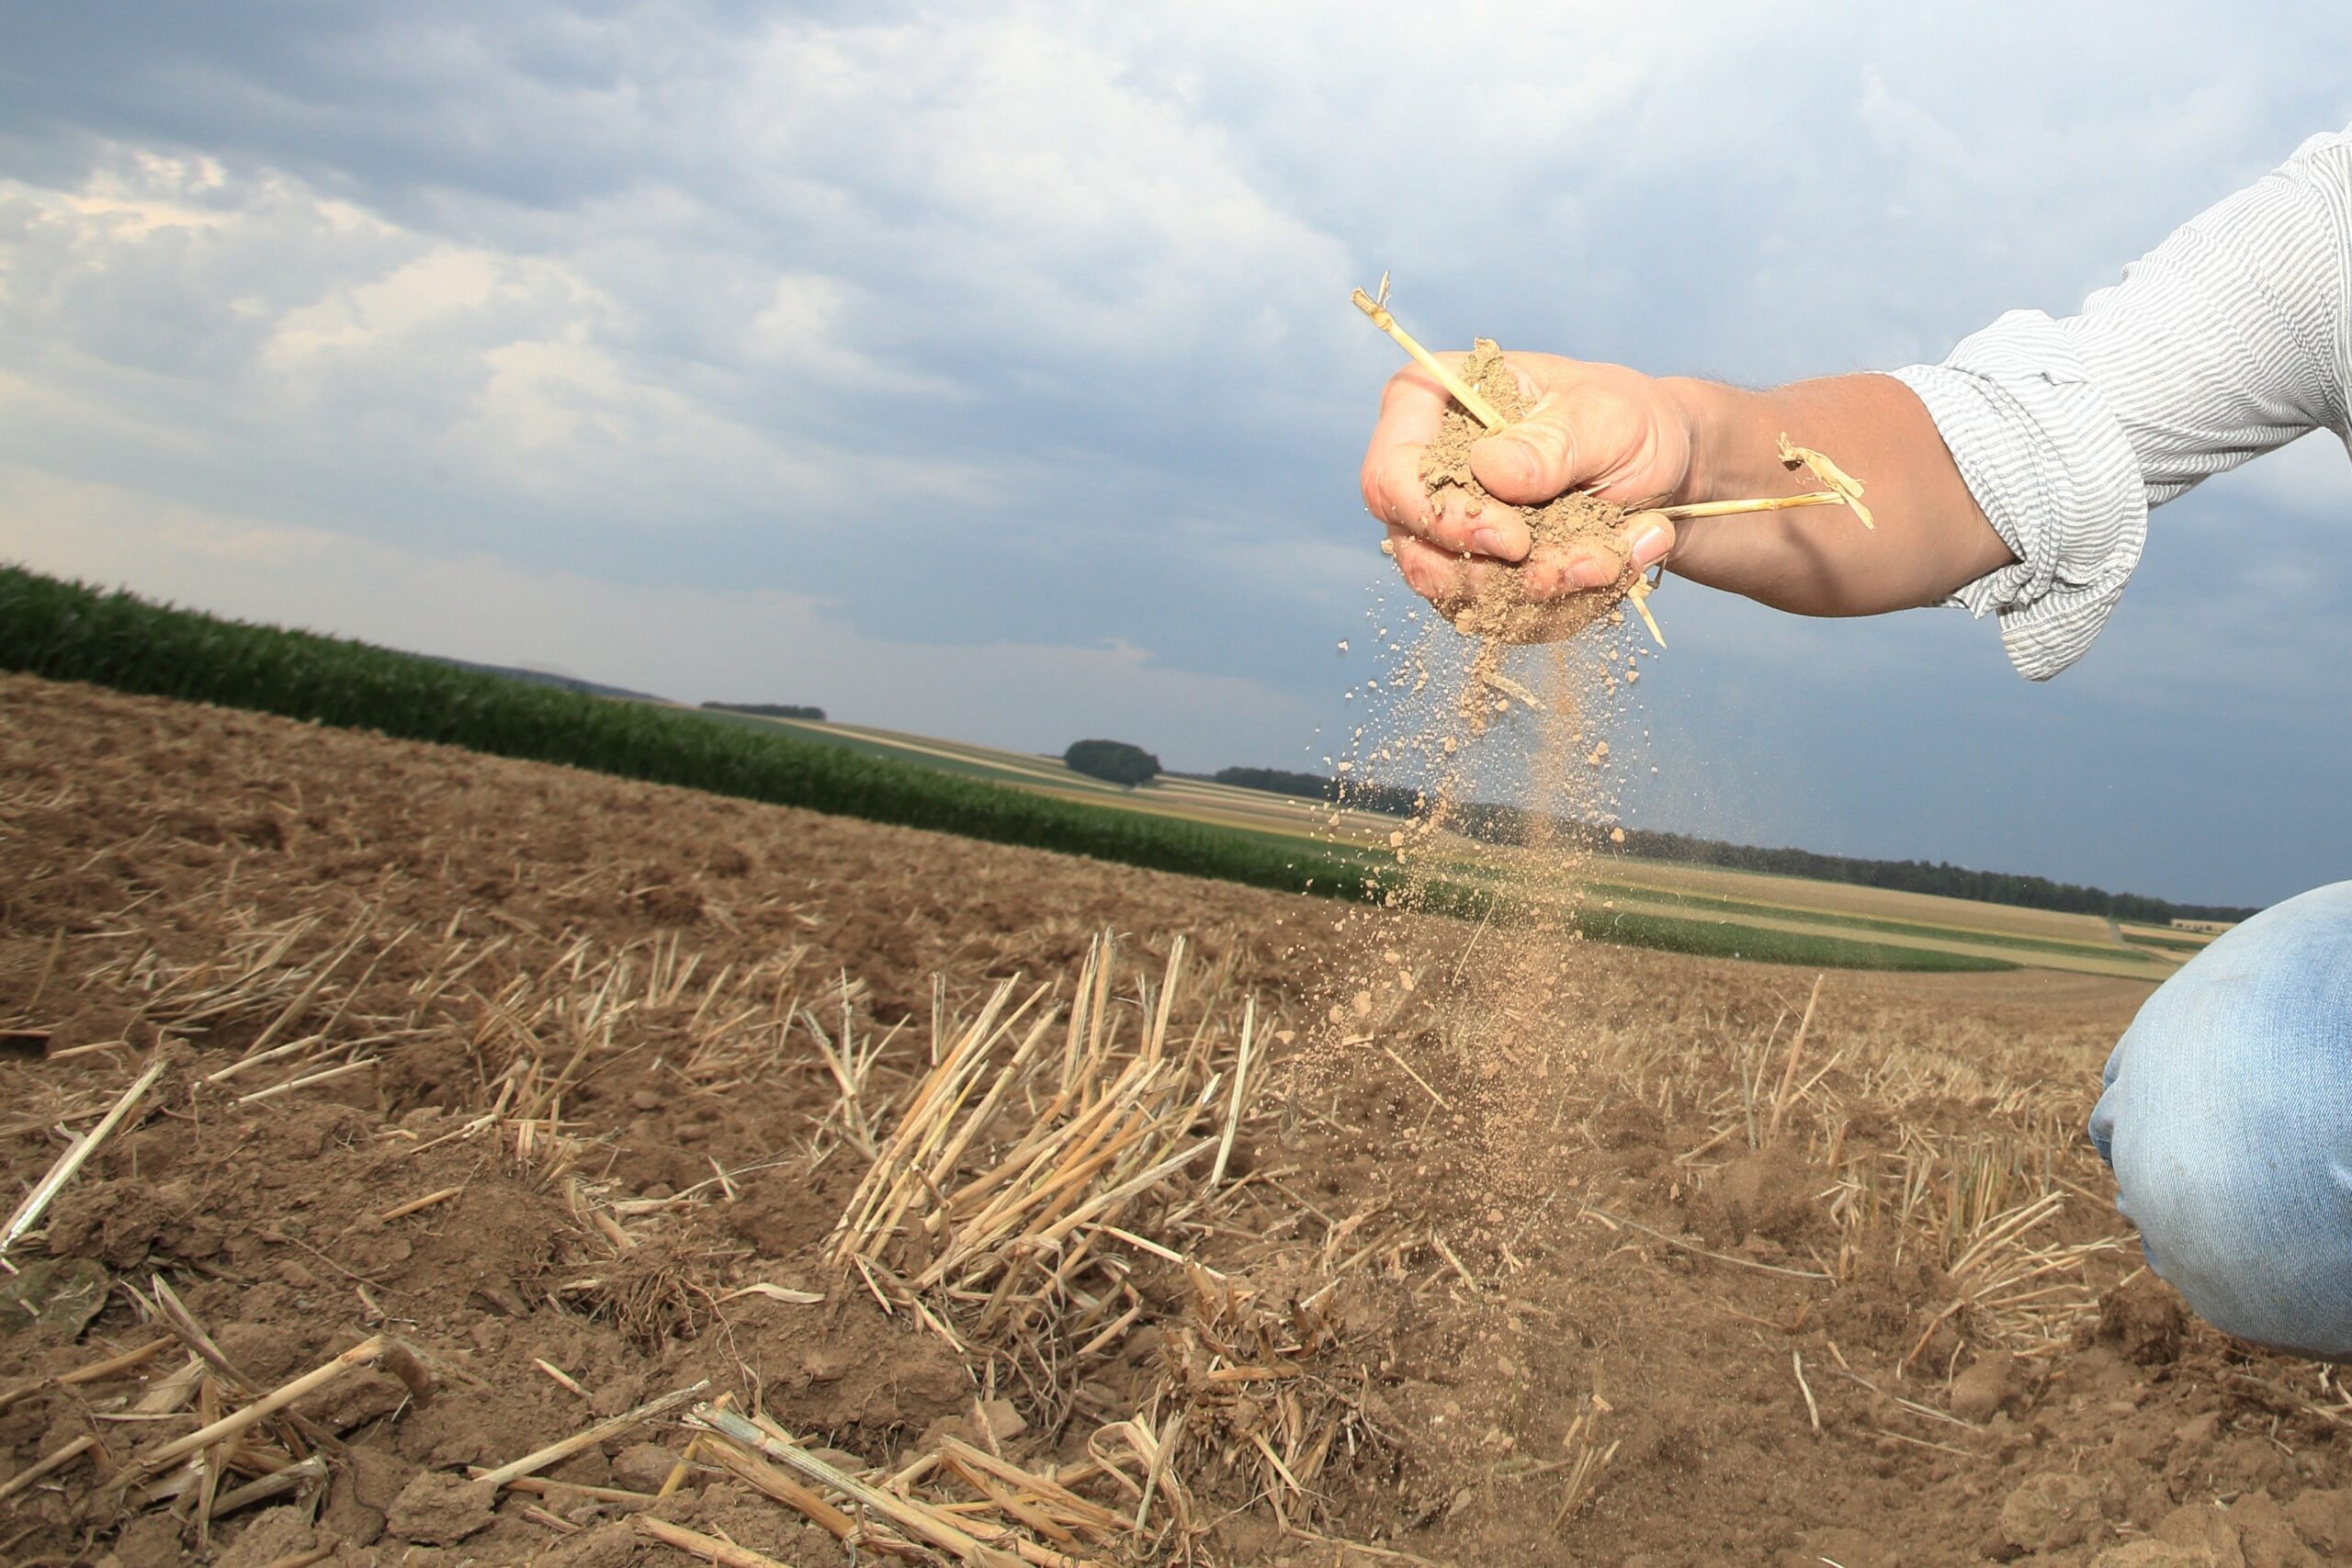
770, 710
1499, 824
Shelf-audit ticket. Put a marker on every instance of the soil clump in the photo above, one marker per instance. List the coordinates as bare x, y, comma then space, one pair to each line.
1574, 518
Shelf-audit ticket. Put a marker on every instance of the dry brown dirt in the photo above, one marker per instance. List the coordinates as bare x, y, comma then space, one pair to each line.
1674, 1293
1572, 519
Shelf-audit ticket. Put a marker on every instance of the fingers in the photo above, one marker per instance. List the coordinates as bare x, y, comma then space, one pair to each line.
1535, 459
1412, 411
1438, 576
1643, 539
1549, 572
1450, 578
1412, 406
1462, 521
1447, 579
1649, 538
1556, 572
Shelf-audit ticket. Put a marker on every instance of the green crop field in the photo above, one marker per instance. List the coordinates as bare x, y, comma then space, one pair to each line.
66, 631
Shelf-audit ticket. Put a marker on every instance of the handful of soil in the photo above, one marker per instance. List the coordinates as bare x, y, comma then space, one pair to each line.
1572, 519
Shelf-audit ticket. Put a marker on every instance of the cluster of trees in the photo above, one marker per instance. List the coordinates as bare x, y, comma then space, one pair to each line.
1926, 876
1513, 825
1114, 759
770, 710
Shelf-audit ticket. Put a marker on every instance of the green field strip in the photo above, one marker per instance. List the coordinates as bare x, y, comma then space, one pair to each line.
1322, 859
1164, 798
1813, 915
1021, 771
2172, 943
2018, 917
2122, 965
1762, 945
888, 751
1285, 813
1299, 818
65, 631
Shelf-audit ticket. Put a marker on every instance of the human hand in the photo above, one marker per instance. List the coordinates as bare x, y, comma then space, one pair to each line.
1621, 436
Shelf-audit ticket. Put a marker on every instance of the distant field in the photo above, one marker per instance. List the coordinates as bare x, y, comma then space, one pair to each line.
1692, 907
1192, 800
2171, 939
1736, 908
68, 632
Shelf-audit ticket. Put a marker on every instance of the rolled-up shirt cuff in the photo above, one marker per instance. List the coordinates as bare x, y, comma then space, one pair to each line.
2049, 465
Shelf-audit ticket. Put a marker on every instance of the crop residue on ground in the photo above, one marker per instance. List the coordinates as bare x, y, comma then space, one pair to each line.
614, 1064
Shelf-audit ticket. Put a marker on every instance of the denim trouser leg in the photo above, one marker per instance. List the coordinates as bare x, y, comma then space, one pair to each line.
2227, 1116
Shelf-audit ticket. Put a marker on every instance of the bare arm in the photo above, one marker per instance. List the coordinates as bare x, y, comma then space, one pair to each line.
1932, 539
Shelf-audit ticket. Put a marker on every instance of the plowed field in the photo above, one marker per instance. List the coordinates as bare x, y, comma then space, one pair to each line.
547, 1096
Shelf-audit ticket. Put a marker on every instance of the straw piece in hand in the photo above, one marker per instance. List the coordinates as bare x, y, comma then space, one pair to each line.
1762, 504
1848, 488
1640, 595
1463, 393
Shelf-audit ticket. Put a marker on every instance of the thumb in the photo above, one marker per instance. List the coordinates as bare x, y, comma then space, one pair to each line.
1531, 462
1649, 538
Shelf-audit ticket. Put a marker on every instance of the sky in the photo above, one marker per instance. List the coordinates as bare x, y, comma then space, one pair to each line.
987, 370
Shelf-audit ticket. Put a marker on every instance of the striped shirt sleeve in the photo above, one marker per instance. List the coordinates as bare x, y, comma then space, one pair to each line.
2231, 338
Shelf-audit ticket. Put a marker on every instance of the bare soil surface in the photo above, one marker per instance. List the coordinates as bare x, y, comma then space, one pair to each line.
566, 1085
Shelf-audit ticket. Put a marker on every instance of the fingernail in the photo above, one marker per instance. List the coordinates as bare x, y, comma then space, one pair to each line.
1589, 572
1649, 546
1490, 542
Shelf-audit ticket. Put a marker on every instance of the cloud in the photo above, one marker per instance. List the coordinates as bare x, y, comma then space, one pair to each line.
951, 335
692, 644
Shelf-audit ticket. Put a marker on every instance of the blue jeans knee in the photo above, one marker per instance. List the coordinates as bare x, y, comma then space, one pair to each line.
2227, 1117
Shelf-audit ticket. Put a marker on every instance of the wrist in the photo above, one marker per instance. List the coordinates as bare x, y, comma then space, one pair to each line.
1706, 411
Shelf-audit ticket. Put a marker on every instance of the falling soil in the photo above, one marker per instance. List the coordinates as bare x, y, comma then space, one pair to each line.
1462, 712
1718, 1339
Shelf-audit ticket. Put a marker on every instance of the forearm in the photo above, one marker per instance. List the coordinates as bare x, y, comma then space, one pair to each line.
1930, 539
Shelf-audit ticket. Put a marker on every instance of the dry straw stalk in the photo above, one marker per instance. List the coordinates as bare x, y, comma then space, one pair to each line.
37, 1201
1462, 392
708, 1548
269, 1405
554, 1453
